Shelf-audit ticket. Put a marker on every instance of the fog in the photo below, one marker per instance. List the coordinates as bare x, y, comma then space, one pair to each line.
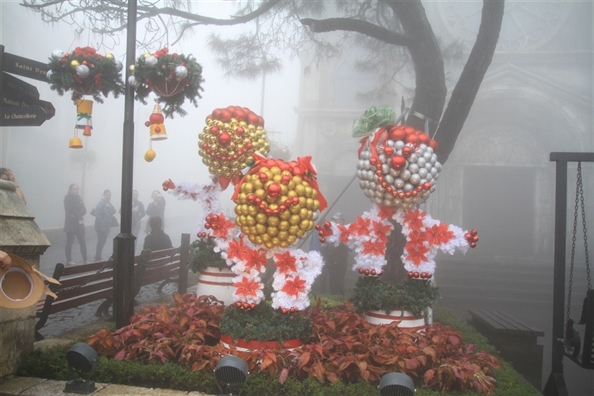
44, 165
535, 99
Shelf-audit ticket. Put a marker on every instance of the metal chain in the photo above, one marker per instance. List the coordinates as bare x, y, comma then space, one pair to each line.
584, 229
573, 238
89, 279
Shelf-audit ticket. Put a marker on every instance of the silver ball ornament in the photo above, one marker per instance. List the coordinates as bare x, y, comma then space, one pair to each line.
133, 82
151, 60
49, 74
83, 71
180, 73
119, 65
57, 54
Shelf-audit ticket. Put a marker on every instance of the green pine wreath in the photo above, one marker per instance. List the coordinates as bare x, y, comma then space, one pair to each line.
100, 74
154, 70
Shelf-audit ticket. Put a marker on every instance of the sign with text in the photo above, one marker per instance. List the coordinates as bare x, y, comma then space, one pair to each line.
24, 67
19, 87
22, 116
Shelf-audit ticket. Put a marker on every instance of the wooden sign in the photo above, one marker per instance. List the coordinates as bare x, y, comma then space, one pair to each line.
19, 87
22, 116
10, 97
24, 67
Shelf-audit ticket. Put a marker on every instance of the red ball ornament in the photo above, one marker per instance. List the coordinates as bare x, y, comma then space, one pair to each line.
224, 139
416, 274
397, 162
238, 304
147, 123
156, 118
284, 310
157, 129
472, 244
396, 133
322, 239
412, 139
388, 150
407, 151
274, 190
327, 224
410, 274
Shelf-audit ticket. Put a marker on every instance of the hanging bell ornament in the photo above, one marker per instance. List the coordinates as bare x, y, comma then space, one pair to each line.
84, 116
150, 154
155, 122
75, 142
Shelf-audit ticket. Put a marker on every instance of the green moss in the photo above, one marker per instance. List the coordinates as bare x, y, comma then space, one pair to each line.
203, 255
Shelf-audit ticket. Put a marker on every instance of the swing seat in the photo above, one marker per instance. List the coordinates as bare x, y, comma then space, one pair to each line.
586, 359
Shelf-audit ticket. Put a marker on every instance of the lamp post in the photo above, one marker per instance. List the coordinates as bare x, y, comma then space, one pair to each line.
123, 290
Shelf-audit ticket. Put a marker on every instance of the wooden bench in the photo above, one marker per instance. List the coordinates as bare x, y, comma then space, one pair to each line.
516, 341
85, 283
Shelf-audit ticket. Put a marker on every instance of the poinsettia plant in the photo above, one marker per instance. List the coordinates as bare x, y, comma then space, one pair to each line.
84, 71
372, 294
174, 78
203, 255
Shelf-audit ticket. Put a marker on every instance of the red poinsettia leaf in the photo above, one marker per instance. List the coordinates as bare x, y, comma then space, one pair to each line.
285, 263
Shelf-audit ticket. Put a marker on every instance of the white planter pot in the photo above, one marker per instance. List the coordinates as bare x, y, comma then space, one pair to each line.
216, 282
406, 318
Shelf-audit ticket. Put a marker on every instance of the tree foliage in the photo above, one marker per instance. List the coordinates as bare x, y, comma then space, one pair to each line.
396, 29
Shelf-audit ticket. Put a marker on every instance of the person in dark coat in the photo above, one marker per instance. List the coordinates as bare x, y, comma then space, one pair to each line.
74, 223
156, 208
157, 239
103, 213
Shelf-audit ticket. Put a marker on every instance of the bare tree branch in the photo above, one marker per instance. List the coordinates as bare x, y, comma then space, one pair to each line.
356, 25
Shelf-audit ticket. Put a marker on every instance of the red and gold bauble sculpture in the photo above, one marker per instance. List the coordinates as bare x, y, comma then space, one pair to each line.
228, 141
276, 201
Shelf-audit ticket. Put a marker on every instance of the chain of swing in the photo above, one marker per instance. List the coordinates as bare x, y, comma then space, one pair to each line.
573, 344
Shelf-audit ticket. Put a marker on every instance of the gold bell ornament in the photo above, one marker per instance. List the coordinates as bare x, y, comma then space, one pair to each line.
84, 116
155, 123
75, 142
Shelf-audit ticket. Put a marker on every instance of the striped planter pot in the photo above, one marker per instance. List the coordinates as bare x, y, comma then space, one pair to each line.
406, 318
242, 345
216, 282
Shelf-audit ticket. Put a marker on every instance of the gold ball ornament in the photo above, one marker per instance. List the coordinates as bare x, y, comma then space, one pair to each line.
150, 155
109, 55
74, 64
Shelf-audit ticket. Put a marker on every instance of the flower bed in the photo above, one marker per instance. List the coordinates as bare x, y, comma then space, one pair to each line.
343, 348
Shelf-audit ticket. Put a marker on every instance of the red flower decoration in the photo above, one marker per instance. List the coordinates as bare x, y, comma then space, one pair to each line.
256, 259
386, 212
416, 253
285, 263
377, 248
381, 230
417, 238
439, 234
237, 249
294, 286
221, 226
247, 287
168, 185
360, 226
414, 219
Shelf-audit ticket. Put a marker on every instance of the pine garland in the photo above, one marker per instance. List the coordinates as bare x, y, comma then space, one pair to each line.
148, 73
103, 74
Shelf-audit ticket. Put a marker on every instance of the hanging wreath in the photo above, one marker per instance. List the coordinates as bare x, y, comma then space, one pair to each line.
174, 78
85, 72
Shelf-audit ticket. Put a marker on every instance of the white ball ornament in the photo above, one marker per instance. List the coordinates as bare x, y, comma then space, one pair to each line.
180, 73
83, 71
133, 82
119, 65
49, 74
57, 54
151, 60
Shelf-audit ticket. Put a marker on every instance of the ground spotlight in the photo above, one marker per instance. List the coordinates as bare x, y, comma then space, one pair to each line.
81, 364
231, 372
396, 384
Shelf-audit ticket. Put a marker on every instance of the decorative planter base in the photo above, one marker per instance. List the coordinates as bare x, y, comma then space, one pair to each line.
406, 318
243, 345
216, 282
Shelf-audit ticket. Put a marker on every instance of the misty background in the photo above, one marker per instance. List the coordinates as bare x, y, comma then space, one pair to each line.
535, 99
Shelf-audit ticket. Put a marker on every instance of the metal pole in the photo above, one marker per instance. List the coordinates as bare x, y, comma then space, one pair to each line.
123, 290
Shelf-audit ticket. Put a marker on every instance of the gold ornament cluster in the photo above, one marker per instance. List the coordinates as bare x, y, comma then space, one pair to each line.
274, 207
229, 139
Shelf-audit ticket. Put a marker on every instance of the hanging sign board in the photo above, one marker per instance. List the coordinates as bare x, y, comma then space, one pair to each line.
24, 67
19, 87
22, 116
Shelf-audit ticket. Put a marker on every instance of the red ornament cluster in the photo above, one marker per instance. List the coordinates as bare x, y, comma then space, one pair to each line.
245, 305
472, 237
372, 273
419, 275
324, 231
237, 112
286, 311
168, 185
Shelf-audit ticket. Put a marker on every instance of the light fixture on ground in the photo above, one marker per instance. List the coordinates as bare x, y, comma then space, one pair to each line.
81, 364
396, 384
231, 372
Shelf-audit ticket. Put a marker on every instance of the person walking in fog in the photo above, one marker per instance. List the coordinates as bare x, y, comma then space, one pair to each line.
103, 213
156, 208
138, 213
74, 224
157, 239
